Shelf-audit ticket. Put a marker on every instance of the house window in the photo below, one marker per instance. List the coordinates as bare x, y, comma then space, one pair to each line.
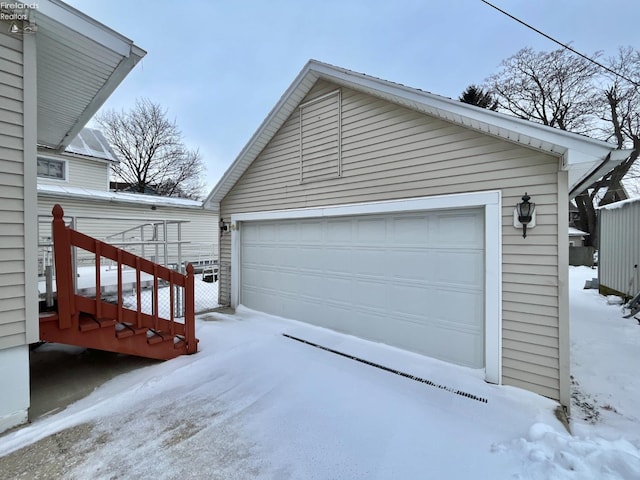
320, 138
52, 168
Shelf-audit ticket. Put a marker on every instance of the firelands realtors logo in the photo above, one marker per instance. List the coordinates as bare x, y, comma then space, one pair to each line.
17, 13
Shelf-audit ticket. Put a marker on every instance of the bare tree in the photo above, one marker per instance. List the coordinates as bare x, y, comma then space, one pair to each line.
568, 92
151, 150
618, 105
554, 88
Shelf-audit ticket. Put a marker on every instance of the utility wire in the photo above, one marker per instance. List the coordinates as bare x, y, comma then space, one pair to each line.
564, 45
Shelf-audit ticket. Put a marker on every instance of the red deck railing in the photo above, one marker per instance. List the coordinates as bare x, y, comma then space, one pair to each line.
71, 305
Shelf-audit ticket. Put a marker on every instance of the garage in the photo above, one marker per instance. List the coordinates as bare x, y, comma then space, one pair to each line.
411, 279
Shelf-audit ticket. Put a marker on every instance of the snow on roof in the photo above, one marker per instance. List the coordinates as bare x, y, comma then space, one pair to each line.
92, 143
116, 197
574, 232
620, 204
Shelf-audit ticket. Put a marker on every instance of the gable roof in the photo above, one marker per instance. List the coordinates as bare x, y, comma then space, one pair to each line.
584, 158
80, 62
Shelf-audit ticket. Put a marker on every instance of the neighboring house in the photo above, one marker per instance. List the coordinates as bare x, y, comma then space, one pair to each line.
79, 180
51, 83
387, 212
619, 252
576, 237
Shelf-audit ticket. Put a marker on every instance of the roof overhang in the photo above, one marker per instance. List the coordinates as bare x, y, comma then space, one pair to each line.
101, 197
581, 156
80, 62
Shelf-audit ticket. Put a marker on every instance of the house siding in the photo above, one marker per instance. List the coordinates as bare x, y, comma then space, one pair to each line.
102, 219
12, 192
91, 174
391, 152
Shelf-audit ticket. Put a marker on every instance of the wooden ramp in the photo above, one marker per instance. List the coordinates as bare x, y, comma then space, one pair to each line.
95, 323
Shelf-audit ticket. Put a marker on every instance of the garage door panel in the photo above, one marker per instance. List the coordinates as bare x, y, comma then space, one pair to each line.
462, 230
409, 230
288, 233
371, 294
371, 231
309, 232
289, 282
308, 257
259, 277
409, 300
338, 289
458, 268
456, 308
336, 260
413, 280
285, 257
409, 264
266, 301
361, 264
313, 283
339, 231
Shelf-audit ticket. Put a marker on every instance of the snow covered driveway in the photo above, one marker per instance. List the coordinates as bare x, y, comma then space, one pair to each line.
255, 404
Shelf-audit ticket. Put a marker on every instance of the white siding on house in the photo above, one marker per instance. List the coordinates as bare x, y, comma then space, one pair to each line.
104, 219
619, 249
390, 152
12, 215
80, 172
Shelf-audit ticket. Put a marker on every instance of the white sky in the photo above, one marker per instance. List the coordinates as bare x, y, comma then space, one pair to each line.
220, 66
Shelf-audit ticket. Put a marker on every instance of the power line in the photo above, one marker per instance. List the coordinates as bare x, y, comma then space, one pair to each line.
564, 45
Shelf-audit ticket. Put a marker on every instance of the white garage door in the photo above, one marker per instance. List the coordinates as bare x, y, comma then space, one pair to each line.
412, 280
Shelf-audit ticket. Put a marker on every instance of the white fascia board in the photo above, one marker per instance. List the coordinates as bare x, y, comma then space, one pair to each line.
87, 26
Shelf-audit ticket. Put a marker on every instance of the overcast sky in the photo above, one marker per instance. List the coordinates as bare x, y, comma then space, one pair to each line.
219, 66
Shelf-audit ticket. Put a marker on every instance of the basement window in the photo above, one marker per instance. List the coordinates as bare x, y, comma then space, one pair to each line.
52, 168
320, 138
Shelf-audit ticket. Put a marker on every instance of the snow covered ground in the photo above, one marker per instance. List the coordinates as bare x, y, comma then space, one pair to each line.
255, 404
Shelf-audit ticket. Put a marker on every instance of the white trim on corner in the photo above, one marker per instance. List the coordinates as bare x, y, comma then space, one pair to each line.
30, 139
491, 201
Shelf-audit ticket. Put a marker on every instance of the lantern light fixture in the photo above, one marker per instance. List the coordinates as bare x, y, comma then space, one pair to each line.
525, 213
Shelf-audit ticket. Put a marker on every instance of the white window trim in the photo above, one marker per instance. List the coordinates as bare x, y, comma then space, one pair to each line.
491, 201
65, 166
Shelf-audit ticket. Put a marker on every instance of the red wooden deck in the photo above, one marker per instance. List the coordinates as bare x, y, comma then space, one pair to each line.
94, 323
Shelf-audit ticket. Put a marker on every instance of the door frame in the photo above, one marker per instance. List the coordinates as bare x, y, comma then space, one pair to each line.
490, 201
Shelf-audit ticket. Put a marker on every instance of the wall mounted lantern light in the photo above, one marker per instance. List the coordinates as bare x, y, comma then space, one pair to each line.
525, 215
223, 226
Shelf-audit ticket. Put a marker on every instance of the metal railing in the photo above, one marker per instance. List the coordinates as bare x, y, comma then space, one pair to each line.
159, 241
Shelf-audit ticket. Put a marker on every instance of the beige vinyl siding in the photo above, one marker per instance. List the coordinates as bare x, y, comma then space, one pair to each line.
12, 241
102, 219
81, 172
391, 152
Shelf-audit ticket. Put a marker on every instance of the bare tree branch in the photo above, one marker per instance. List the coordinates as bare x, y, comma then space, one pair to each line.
152, 153
570, 92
